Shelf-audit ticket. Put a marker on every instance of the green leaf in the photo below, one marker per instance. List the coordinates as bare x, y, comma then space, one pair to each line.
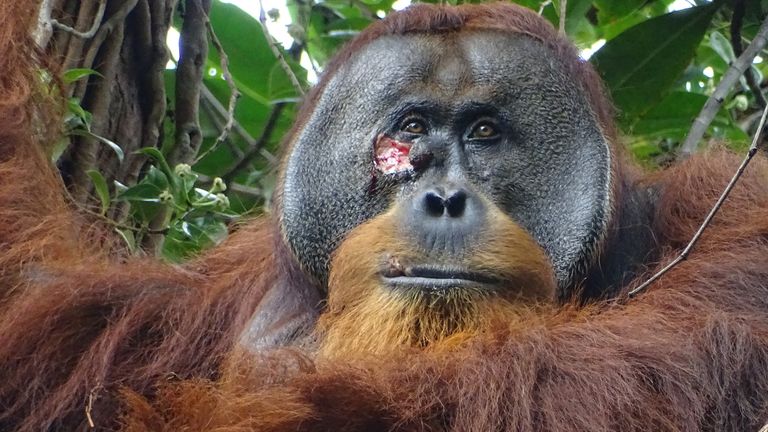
74, 107
111, 144
156, 177
575, 14
617, 26
144, 199
722, 46
250, 58
144, 212
186, 238
612, 9
188, 181
128, 238
640, 65
158, 157
59, 147
644, 150
175, 183
73, 75
672, 117
204, 199
145, 192
102, 190
119, 187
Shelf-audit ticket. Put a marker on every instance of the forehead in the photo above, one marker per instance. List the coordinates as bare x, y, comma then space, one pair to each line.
449, 65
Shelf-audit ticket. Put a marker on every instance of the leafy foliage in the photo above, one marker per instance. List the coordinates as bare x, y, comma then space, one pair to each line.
660, 65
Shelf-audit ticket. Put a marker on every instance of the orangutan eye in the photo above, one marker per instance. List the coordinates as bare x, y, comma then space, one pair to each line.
484, 130
414, 126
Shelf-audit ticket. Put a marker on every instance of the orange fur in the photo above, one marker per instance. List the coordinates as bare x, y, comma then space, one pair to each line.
364, 316
147, 346
689, 354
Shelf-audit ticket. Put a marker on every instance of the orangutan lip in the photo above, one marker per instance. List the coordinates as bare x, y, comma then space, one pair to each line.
431, 284
435, 277
427, 272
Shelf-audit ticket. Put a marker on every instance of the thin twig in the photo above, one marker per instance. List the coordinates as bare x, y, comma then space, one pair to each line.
712, 106
219, 125
234, 93
234, 187
89, 405
276, 51
214, 103
94, 27
312, 63
544, 5
83, 208
44, 28
74, 46
563, 13
254, 149
736, 23
365, 10
684, 254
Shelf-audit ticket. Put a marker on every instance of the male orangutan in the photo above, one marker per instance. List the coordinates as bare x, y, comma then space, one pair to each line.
454, 234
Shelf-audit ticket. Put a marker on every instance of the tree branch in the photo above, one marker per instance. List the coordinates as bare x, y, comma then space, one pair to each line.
84, 154
712, 106
276, 51
160, 16
44, 29
256, 146
92, 31
219, 125
216, 106
684, 254
749, 74
193, 50
544, 5
155, 17
117, 19
234, 93
86, 10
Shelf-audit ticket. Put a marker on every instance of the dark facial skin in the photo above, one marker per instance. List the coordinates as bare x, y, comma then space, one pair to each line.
491, 119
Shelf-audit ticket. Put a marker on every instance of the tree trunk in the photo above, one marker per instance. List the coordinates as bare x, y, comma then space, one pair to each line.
127, 98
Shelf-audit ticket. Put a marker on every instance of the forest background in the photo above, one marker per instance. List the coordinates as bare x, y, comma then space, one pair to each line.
176, 109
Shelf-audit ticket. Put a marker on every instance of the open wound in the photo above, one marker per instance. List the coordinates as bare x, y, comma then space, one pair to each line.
392, 155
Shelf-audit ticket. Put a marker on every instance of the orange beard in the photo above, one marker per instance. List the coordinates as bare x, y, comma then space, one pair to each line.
366, 317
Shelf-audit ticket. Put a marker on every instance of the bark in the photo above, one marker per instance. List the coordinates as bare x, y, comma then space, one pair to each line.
127, 99
189, 75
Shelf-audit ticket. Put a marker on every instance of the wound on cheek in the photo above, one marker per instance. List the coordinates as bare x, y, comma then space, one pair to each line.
392, 155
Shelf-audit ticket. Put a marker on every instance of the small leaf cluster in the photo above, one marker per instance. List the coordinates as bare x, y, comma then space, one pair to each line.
167, 201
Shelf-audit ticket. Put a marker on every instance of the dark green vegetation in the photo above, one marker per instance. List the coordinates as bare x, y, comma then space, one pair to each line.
149, 169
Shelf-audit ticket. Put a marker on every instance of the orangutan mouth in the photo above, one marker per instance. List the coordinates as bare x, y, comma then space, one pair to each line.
435, 277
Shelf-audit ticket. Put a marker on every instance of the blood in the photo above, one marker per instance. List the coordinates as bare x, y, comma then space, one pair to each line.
392, 155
